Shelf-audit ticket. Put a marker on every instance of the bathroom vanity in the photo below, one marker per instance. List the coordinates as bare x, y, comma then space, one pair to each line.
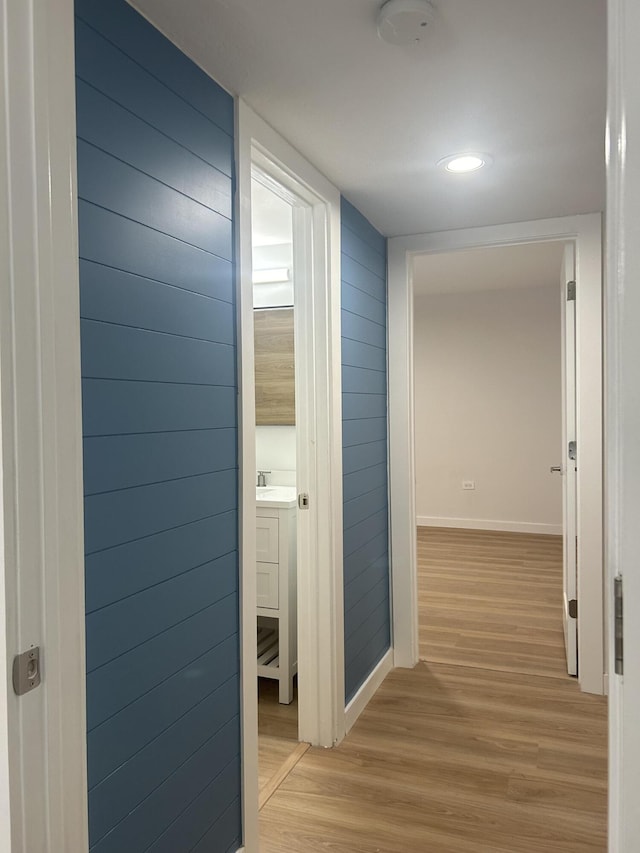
276, 586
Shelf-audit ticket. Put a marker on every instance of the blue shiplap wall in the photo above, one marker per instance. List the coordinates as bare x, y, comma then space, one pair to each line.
155, 176
364, 440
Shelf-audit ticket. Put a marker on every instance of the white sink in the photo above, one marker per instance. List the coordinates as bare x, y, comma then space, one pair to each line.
276, 496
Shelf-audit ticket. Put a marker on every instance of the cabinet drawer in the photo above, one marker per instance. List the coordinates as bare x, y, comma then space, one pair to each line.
267, 585
266, 540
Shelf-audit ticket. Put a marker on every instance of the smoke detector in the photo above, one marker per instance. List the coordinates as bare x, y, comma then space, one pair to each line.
404, 21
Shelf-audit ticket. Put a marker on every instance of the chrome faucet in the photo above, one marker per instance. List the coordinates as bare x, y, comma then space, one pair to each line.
262, 480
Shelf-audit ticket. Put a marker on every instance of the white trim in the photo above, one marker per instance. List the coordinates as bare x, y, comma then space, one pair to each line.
622, 312
487, 524
586, 231
41, 424
320, 586
367, 690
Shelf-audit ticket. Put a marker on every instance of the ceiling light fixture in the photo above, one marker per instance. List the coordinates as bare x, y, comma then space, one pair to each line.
461, 163
404, 21
271, 276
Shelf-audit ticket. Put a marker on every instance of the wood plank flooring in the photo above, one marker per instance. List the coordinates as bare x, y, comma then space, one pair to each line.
492, 600
461, 757
278, 747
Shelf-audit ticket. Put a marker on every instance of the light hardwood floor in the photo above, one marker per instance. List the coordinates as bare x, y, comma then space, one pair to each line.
461, 757
278, 747
492, 600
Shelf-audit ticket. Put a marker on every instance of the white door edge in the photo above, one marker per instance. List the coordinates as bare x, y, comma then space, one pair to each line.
586, 231
320, 589
42, 546
569, 532
622, 311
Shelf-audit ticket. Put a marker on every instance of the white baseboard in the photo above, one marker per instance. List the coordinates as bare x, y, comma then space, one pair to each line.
484, 524
362, 698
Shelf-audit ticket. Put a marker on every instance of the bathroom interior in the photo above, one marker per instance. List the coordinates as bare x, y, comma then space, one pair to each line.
276, 493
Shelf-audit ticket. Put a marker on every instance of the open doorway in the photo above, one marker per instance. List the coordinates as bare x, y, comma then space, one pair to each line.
275, 276
495, 481
290, 478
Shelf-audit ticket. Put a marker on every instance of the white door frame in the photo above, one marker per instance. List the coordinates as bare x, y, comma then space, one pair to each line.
586, 231
568, 467
41, 554
320, 587
622, 307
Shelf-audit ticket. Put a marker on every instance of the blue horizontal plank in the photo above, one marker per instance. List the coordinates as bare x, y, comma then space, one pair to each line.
221, 831
133, 35
358, 224
358, 302
111, 407
356, 249
356, 406
363, 507
114, 630
121, 792
371, 598
119, 297
361, 456
361, 637
361, 482
355, 275
355, 328
185, 832
113, 686
115, 741
105, 68
109, 126
106, 238
358, 354
122, 352
114, 518
360, 380
120, 188
356, 537
122, 461
362, 431
369, 574
141, 827
127, 569
362, 665
373, 550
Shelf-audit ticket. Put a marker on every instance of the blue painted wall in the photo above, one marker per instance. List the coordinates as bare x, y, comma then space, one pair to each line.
155, 175
364, 440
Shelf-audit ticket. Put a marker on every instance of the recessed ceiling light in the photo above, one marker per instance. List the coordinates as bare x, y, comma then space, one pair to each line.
460, 163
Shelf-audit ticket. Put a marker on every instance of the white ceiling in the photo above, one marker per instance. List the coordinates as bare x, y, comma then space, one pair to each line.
524, 81
502, 268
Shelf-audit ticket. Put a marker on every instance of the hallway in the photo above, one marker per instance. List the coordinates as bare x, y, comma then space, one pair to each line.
485, 748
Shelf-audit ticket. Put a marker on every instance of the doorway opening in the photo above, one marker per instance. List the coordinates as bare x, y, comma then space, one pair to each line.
279, 223
495, 421
291, 475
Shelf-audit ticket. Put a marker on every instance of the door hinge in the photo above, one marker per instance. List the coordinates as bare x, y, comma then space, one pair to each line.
573, 450
571, 291
573, 608
26, 671
618, 618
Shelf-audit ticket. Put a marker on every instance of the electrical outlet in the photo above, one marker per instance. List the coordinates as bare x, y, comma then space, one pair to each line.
468, 485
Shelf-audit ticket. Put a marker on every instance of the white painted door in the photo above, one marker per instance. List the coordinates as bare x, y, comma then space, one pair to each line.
569, 496
622, 418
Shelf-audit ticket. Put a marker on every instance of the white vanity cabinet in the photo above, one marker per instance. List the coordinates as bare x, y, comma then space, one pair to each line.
276, 587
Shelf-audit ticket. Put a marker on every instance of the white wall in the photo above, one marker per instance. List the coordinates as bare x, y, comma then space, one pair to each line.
276, 452
488, 409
